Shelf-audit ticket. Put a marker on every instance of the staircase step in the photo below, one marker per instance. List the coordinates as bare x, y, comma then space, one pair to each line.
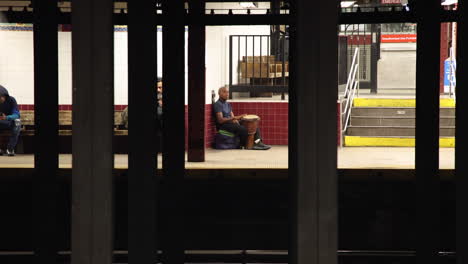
400, 102
394, 121
396, 111
356, 141
392, 131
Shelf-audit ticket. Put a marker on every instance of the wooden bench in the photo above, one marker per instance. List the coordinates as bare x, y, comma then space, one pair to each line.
65, 130
65, 123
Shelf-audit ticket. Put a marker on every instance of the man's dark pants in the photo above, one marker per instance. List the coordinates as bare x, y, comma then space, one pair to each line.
239, 131
14, 130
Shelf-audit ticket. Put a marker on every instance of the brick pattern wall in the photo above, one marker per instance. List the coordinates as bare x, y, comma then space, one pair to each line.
273, 123
274, 119
210, 127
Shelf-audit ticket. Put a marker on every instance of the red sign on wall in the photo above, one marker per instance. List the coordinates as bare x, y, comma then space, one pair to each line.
398, 38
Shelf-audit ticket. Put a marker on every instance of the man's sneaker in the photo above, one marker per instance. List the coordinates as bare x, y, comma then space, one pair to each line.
264, 145
2, 152
261, 146
10, 152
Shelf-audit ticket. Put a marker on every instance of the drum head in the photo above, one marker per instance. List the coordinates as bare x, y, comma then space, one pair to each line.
251, 117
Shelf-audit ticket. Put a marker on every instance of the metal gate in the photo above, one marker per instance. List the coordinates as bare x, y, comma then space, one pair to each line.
256, 65
366, 37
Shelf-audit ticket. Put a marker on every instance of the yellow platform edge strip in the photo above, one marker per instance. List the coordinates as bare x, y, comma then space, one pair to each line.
353, 141
372, 102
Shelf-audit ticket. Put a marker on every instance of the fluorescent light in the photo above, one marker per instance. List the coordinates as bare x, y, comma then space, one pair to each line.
248, 4
346, 4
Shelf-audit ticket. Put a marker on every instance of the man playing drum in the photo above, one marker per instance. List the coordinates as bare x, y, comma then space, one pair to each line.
226, 120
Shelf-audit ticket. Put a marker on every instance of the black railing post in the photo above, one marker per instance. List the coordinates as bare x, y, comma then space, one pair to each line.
230, 66
283, 70
374, 57
142, 131
46, 92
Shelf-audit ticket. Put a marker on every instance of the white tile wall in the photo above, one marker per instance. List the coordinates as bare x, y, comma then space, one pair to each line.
17, 71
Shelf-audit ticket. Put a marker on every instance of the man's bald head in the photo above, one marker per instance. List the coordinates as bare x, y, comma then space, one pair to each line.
223, 93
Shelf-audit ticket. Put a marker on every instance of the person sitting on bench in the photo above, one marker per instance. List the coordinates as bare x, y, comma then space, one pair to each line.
159, 106
9, 120
226, 120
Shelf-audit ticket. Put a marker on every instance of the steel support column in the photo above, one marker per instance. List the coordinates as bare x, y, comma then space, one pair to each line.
312, 136
143, 145
93, 120
196, 88
427, 132
461, 132
174, 130
46, 131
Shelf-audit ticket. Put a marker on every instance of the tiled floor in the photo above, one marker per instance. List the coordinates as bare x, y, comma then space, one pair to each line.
276, 158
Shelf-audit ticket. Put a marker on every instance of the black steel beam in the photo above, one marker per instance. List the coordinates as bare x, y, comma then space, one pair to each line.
196, 86
142, 159
174, 130
312, 143
267, 19
427, 132
46, 93
93, 121
461, 134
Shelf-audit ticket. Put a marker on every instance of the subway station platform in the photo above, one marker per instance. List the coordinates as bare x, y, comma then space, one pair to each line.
275, 158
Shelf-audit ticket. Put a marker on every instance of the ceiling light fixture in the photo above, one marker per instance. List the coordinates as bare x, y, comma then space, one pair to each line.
449, 2
248, 4
346, 4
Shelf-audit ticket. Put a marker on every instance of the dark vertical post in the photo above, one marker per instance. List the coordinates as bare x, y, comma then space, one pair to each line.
268, 60
374, 53
283, 66
143, 146
427, 132
312, 152
252, 82
461, 135
231, 47
93, 121
174, 130
261, 60
196, 88
275, 7
238, 59
46, 131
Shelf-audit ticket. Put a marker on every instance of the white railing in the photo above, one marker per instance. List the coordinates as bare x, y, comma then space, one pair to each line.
351, 91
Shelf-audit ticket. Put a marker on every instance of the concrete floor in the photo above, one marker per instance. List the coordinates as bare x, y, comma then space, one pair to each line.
276, 158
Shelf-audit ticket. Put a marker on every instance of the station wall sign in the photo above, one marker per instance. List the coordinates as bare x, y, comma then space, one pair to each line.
450, 80
398, 38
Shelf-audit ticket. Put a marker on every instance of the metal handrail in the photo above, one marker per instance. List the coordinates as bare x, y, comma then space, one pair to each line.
352, 88
351, 73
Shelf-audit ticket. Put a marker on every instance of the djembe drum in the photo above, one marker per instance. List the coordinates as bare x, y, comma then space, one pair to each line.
251, 123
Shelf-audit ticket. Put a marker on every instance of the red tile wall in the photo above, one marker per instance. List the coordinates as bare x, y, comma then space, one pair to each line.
273, 119
210, 127
273, 124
